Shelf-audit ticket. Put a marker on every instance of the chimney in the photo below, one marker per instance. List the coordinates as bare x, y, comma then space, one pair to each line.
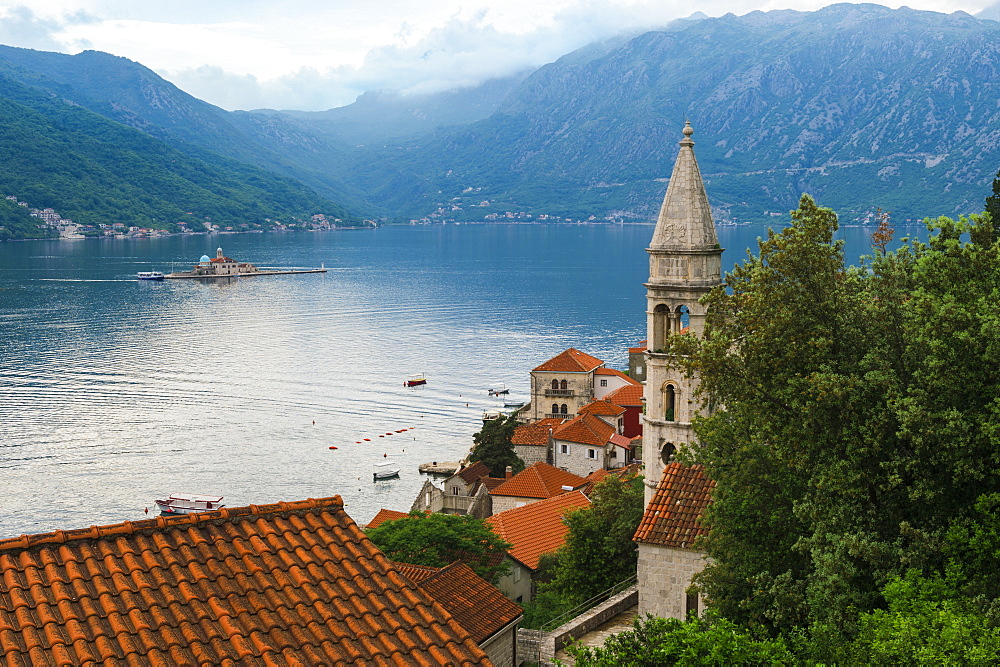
509, 472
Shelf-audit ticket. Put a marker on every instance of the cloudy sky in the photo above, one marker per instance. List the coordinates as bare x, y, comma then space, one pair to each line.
318, 54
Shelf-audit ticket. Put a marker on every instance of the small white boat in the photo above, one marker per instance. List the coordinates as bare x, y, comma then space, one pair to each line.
189, 503
150, 275
385, 470
499, 389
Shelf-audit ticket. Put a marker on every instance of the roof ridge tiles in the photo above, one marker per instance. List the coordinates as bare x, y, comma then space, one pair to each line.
132, 527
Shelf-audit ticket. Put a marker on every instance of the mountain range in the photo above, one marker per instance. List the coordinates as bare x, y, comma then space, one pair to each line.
862, 106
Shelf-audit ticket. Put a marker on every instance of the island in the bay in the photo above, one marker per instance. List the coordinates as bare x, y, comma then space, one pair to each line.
221, 266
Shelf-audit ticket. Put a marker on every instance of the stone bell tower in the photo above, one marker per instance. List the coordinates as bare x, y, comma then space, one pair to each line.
685, 262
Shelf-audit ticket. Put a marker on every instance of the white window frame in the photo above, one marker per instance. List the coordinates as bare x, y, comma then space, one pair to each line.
592, 454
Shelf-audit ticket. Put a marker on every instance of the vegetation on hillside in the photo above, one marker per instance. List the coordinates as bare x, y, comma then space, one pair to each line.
492, 445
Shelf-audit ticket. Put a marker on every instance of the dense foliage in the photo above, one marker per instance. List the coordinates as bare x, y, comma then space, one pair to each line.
441, 539
17, 223
492, 445
861, 428
598, 552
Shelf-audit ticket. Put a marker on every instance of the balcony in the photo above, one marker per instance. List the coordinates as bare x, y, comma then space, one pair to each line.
559, 416
560, 392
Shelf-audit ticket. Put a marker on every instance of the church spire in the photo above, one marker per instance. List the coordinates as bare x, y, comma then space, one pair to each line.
685, 220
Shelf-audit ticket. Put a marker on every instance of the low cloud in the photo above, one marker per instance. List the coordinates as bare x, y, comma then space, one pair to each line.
21, 27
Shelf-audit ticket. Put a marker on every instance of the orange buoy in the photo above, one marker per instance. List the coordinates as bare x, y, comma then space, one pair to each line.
332, 447
147, 510
368, 439
385, 455
381, 436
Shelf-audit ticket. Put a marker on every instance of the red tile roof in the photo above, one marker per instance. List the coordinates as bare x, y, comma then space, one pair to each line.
383, 516
602, 408
531, 434
474, 471
539, 480
628, 396
571, 361
673, 515
617, 373
415, 573
598, 476
550, 421
620, 441
489, 482
585, 429
476, 604
536, 528
641, 346
265, 584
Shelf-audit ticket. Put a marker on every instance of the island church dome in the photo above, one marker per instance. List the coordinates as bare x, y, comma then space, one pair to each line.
205, 259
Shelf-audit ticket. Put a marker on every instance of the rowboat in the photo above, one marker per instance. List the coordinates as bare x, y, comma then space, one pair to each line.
189, 503
385, 470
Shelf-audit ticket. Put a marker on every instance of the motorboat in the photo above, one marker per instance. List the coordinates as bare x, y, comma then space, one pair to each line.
415, 380
385, 470
150, 275
499, 389
189, 503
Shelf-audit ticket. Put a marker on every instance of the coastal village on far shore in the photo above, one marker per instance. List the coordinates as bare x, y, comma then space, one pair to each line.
300, 582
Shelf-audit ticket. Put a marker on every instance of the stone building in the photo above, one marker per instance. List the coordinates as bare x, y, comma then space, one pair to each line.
562, 385
685, 262
668, 557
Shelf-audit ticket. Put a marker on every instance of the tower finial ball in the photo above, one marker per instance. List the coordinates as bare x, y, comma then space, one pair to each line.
688, 130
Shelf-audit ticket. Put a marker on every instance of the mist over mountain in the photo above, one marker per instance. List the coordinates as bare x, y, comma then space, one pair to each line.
860, 105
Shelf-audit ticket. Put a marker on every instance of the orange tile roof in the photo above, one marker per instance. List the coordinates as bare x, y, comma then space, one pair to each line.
550, 421
415, 573
539, 480
673, 515
531, 434
266, 584
571, 361
628, 396
585, 429
489, 482
617, 373
641, 346
474, 471
383, 516
598, 476
476, 604
536, 528
602, 408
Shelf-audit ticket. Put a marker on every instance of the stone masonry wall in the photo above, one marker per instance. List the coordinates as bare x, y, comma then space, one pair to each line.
664, 575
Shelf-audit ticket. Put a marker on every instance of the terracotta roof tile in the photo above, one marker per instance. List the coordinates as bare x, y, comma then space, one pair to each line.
531, 434
471, 473
476, 604
283, 583
641, 346
627, 396
383, 516
585, 429
539, 480
550, 421
489, 482
673, 515
537, 528
602, 407
571, 361
598, 476
415, 573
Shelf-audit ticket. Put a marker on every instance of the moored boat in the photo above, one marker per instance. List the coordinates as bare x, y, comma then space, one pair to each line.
415, 380
385, 470
150, 275
189, 503
499, 389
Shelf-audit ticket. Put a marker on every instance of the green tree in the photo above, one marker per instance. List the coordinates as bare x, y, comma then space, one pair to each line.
703, 641
437, 540
860, 416
598, 552
993, 206
492, 445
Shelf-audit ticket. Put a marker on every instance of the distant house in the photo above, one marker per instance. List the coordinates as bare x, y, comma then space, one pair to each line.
464, 481
637, 361
287, 583
630, 398
477, 605
607, 380
532, 441
667, 535
538, 481
588, 442
562, 385
383, 516
533, 530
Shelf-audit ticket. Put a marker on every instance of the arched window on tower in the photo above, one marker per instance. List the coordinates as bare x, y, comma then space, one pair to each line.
562, 385
661, 327
669, 403
563, 409
667, 453
683, 319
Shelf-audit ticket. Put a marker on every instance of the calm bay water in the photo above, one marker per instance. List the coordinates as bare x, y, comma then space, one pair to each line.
115, 391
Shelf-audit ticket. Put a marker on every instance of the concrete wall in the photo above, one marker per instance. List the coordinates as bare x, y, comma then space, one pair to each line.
575, 460
504, 503
517, 583
532, 454
664, 575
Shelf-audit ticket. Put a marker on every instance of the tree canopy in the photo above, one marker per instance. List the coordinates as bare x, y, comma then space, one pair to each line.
861, 417
492, 445
437, 540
